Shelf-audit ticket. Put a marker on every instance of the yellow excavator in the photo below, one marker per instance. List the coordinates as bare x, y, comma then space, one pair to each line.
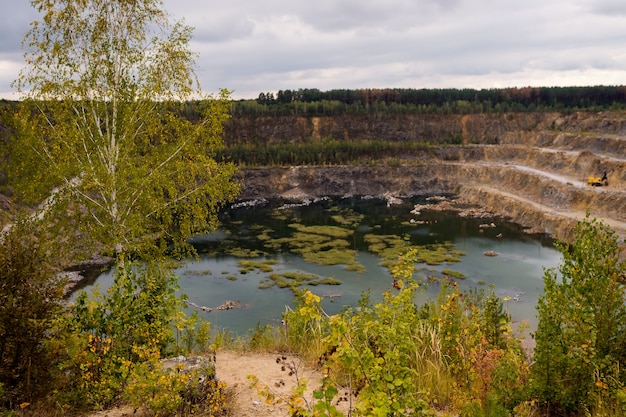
598, 181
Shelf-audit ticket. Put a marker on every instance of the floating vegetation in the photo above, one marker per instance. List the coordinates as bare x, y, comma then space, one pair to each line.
294, 280
197, 273
454, 274
239, 252
248, 265
346, 217
324, 230
264, 236
390, 247
323, 245
436, 254
232, 278
355, 267
279, 214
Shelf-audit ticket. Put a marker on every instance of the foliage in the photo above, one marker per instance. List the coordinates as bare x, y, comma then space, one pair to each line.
102, 145
324, 152
102, 126
266, 338
110, 337
453, 353
168, 391
311, 101
31, 296
305, 326
581, 334
476, 338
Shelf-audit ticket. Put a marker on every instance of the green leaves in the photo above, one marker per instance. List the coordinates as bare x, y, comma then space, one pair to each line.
400, 359
102, 126
31, 297
102, 151
582, 321
109, 335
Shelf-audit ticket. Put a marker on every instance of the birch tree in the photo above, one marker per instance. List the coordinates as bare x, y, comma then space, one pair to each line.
102, 144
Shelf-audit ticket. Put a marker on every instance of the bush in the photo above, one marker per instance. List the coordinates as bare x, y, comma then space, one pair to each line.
581, 334
454, 353
175, 391
110, 338
31, 297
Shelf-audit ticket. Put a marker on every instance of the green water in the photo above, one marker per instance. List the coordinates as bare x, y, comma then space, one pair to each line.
216, 277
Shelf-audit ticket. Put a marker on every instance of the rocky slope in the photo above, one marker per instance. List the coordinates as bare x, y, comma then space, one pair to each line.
530, 168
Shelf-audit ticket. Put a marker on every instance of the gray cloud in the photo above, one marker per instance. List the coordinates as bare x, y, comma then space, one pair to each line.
250, 46
608, 7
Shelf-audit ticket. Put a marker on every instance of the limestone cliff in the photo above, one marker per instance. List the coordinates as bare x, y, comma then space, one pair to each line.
531, 168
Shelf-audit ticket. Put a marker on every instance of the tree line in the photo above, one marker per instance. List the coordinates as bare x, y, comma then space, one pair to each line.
324, 152
312, 101
438, 100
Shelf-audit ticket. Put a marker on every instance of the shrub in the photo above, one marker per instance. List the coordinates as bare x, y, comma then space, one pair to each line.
109, 338
31, 298
581, 334
453, 353
174, 391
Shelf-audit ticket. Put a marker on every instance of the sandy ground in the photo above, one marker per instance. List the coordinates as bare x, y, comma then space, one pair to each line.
236, 368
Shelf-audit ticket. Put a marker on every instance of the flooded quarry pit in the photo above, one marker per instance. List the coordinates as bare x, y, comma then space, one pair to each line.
340, 248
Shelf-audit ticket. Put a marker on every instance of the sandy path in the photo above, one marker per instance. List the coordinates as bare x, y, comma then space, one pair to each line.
233, 368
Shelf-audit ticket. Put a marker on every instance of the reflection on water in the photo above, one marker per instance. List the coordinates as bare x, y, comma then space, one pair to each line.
216, 277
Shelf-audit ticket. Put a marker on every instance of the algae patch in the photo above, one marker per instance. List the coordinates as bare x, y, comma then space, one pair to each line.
248, 265
454, 274
294, 280
390, 247
322, 244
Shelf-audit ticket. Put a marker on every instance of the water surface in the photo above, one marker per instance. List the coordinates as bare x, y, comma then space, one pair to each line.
215, 277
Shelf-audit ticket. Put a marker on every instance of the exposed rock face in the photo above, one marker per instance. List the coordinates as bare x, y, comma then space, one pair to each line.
535, 175
530, 167
297, 183
534, 199
489, 128
431, 128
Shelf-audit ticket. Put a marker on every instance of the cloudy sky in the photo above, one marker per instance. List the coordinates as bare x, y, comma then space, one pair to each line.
252, 46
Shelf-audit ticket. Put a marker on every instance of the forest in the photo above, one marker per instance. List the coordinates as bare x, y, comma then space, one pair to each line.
312, 101
433, 101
